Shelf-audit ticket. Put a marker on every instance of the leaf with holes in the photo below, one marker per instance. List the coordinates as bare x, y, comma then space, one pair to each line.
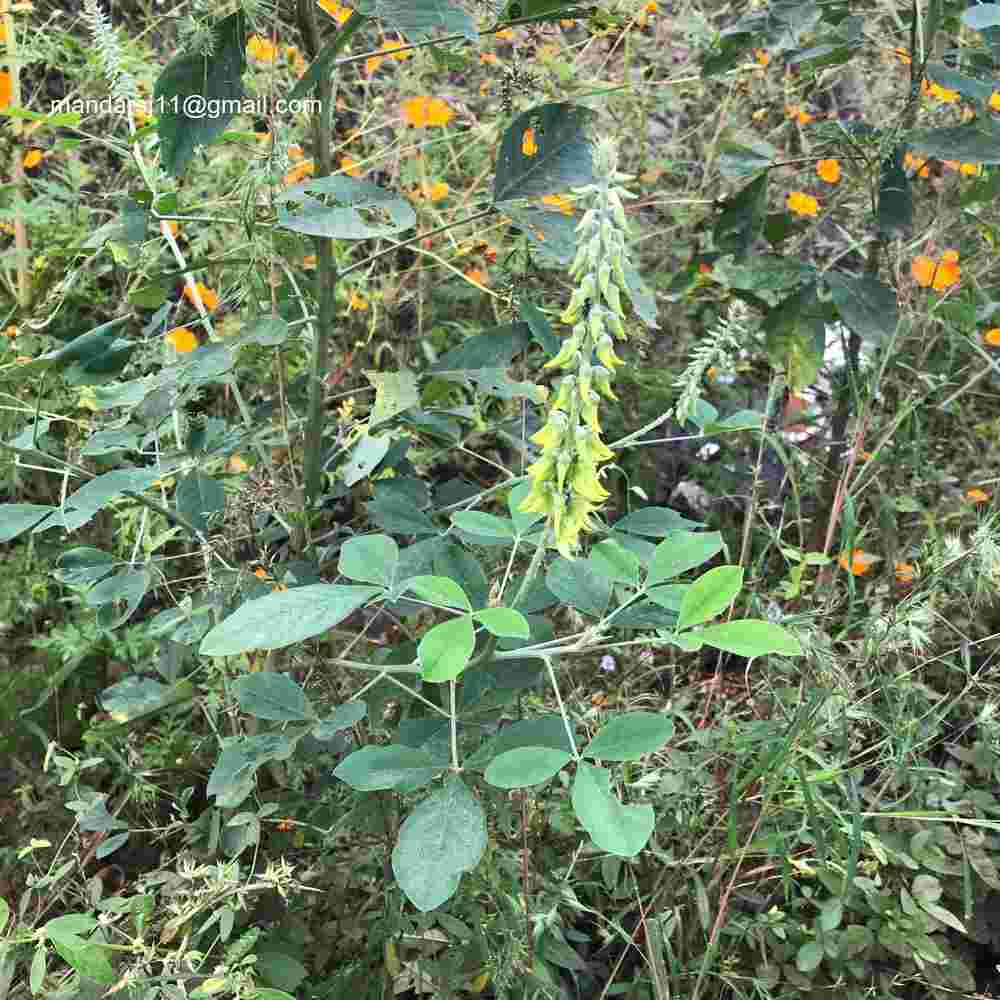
354, 209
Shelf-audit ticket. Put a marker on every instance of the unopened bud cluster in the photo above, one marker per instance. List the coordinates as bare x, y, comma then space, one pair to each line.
564, 481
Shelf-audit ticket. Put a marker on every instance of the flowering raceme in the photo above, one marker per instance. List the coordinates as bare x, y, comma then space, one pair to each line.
565, 484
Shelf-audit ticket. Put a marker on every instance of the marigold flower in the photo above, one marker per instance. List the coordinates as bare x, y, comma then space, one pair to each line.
799, 114
237, 464
859, 563
477, 275
437, 191
300, 172
182, 340
528, 145
917, 165
309, 262
357, 302
350, 166
828, 170
802, 204
905, 572
970, 169
977, 496
992, 337
422, 112
762, 56
295, 152
489, 58
6, 90
208, 297
993, 102
559, 202
261, 49
32, 158
903, 56
336, 10
943, 94
939, 275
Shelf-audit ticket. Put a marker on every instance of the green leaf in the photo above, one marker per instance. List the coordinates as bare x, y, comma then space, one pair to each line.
16, 518
37, 975
344, 716
87, 957
269, 695
612, 560
4, 914
269, 994
196, 93
369, 558
613, 827
198, 497
575, 583
525, 766
83, 504
367, 454
458, 564
280, 970
376, 768
522, 520
504, 622
560, 153
981, 15
394, 393
642, 299
654, 522
85, 350
442, 838
268, 331
232, 778
681, 551
742, 220
445, 650
631, 736
284, 617
541, 328
550, 234
795, 336
395, 513
118, 596
475, 522
736, 162
548, 731
709, 595
809, 956
967, 86
969, 143
750, 637
135, 696
340, 216
419, 19
494, 349
438, 590
866, 305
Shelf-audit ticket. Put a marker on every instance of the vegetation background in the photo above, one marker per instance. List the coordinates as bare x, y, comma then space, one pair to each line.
416, 585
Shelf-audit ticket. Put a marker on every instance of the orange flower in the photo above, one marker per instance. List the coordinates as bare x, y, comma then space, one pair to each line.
173, 227
295, 152
260, 573
309, 262
477, 275
350, 166
506, 35
489, 58
917, 165
976, 495
828, 170
285, 825
799, 114
528, 145
357, 301
993, 102
802, 204
5, 89
209, 299
704, 267
859, 564
992, 337
426, 111
490, 255
437, 191
236, 464
903, 56
940, 275
182, 340
32, 158
762, 56
905, 572
559, 202
335, 10
261, 49
7, 228
300, 172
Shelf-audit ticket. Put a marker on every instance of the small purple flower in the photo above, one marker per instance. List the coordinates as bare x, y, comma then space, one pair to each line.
608, 664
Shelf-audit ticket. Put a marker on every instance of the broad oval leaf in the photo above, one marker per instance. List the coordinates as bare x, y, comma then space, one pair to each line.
419, 19
442, 838
545, 151
373, 768
369, 558
504, 622
285, 617
710, 595
476, 522
654, 522
16, 518
344, 716
631, 736
355, 209
273, 696
865, 304
232, 778
135, 696
750, 637
441, 590
444, 651
612, 560
681, 551
576, 583
613, 827
526, 766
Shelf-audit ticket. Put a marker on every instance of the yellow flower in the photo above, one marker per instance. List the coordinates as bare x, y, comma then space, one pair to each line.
917, 165
859, 564
976, 495
357, 302
261, 49
426, 111
970, 169
762, 56
802, 204
350, 166
586, 484
942, 94
559, 202
528, 145
32, 158
606, 354
992, 337
336, 10
828, 170
551, 435
295, 152
236, 464
437, 191
208, 297
182, 340
994, 101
